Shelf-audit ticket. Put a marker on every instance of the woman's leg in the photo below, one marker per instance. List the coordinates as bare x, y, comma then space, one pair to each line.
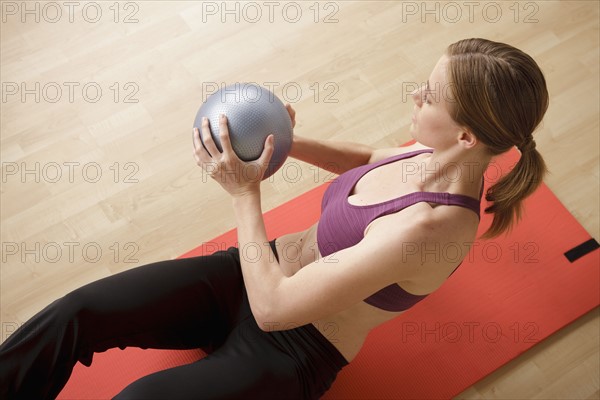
247, 366
297, 363
175, 304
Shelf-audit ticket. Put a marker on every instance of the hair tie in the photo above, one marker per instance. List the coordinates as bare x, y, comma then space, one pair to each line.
527, 145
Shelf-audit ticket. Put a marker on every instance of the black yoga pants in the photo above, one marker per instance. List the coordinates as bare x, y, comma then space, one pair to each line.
198, 302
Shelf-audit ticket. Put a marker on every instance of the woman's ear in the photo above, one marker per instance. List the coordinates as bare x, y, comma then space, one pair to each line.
467, 139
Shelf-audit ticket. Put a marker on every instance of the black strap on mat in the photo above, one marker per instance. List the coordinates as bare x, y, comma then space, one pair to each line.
581, 250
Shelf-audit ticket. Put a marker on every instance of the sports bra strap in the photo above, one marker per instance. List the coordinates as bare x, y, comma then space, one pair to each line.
443, 198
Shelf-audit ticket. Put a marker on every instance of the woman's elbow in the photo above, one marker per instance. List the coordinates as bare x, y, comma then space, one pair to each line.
272, 318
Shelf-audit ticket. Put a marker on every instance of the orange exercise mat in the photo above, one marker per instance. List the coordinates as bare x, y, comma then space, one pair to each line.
509, 294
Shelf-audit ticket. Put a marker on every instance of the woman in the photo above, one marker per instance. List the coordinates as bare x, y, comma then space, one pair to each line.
280, 319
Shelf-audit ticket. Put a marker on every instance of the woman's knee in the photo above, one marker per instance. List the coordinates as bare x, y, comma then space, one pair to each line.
71, 304
69, 312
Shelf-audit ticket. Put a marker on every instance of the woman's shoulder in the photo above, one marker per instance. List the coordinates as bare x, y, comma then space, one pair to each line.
434, 239
382, 154
425, 227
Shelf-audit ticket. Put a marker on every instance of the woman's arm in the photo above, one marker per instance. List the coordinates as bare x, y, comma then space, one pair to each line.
333, 156
261, 271
391, 252
316, 290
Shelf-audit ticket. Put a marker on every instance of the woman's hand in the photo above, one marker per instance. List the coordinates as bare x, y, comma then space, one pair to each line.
237, 177
292, 113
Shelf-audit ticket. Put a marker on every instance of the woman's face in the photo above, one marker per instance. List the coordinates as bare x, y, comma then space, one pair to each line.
432, 125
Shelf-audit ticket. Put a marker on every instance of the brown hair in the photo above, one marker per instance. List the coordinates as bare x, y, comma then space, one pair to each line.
500, 93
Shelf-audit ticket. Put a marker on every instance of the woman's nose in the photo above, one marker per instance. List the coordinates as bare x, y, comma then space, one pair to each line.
416, 95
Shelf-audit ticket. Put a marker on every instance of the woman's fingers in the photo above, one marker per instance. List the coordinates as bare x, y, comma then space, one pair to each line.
212, 161
207, 139
224, 136
199, 149
292, 113
197, 142
203, 159
267, 153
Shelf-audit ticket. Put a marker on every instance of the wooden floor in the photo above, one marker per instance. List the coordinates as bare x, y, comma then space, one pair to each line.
97, 110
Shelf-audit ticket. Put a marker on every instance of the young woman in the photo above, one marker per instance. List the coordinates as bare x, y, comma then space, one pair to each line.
280, 319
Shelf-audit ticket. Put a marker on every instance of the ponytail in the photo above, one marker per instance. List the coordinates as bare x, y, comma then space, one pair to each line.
500, 93
509, 192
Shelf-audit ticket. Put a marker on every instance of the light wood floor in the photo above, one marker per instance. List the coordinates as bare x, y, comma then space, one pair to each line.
149, 201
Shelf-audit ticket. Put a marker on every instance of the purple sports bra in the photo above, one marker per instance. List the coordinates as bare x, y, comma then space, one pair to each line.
343, 224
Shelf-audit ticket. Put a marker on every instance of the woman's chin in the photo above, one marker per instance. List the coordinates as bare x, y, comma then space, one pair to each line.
412, 129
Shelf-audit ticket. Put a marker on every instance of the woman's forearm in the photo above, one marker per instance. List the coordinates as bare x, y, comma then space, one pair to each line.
331, 155
261, 271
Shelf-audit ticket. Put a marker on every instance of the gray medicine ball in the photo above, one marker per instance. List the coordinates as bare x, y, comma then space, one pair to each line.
253, 113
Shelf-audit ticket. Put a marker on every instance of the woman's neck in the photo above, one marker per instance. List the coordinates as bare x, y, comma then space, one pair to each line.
453, 170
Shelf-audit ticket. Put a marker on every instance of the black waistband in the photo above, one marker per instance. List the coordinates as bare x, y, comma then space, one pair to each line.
274, 248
